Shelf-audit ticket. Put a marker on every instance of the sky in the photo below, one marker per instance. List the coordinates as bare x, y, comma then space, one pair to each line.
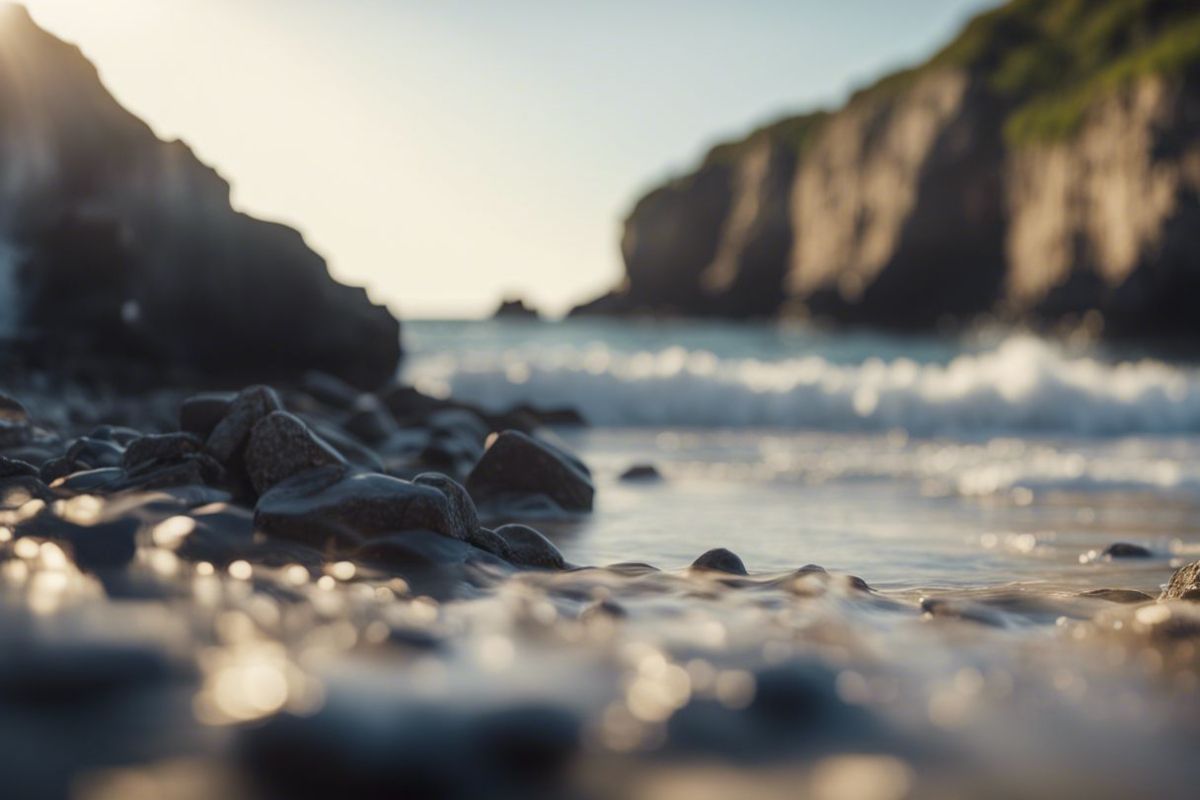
446, 153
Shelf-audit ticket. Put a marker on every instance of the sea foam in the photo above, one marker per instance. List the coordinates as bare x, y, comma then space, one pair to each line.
1022, 384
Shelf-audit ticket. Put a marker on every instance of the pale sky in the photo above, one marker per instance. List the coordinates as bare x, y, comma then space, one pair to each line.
444, 153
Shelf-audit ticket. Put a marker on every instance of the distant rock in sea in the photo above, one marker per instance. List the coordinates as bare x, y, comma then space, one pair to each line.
515, 308
115, 243
1040, 169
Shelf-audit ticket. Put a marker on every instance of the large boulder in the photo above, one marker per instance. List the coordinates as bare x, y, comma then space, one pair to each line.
328, 506
516, 465
126, 246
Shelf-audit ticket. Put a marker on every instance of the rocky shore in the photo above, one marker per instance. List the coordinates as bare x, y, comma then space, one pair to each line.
263, 542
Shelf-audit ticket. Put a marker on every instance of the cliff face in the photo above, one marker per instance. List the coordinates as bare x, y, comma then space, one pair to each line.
114, 242
1041, 166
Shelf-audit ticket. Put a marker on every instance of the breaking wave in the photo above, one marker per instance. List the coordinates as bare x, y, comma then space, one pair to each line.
1022, 384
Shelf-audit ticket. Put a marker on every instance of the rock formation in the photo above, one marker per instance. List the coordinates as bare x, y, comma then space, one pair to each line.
1044, 165
115, 243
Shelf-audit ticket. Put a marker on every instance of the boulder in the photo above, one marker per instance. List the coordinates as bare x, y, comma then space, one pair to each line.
327, 505
281, 446
1185, 584
516, 464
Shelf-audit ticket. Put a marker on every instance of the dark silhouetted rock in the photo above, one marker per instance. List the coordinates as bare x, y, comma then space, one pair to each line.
12, 411
1126, 550
516, 464
1185, 584
131, 250
641, 472
326, 505
369, 420
720, 560
281, 446
529, 548
515, 308
13, 468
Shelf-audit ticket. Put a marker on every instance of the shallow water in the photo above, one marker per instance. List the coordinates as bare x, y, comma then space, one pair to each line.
967, 665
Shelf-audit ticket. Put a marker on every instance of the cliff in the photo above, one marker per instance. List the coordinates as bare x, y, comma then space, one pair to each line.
115, 243
1045, 164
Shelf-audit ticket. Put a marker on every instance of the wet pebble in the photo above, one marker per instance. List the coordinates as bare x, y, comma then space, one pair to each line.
641, 472
720, 560
517, 464
529, 548
1125, 550
281, 446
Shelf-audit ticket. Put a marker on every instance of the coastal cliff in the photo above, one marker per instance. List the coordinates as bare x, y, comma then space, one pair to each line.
115, 243
1045, 164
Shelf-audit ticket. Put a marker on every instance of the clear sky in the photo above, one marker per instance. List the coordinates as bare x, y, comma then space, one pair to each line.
445, 152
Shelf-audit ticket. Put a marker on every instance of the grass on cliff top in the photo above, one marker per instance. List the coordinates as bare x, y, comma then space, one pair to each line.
1050, 60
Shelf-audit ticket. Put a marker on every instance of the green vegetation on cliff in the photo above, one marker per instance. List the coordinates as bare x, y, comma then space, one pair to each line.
1048, 61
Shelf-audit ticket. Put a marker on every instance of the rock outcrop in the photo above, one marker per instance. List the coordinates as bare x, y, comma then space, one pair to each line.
115, 243
1043, 167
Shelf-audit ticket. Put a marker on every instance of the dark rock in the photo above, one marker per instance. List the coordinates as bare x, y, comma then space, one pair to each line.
326, 505
192, 470
165, 447
518, 464
515, 308
200, 413
641, 472
966, 611
280, 446
421, 549
1185, 584
58, 468
223, 534
487, 539
462, 508
14, 434
13, 467
330, 390
1126, 550
231, 434
720, 560
1117, 595
529, 548
12, 411
406, 402
75, 674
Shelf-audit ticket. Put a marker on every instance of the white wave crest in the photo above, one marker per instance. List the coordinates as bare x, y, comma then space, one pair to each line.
1023, 384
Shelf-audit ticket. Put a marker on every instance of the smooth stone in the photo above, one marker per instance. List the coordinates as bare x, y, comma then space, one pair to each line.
198, 469
1185, 584
529, 548
968, 612
330, 390
1126, 550
1117, 595
200, 413
720, 560
15, 468
641, 472
327, 505
13, 411
15, 434
281, 446
487, 539
231, 434
466, 518
516, 463
160, 447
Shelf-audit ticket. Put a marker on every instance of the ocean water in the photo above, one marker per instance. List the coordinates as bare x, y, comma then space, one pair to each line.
915, 462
